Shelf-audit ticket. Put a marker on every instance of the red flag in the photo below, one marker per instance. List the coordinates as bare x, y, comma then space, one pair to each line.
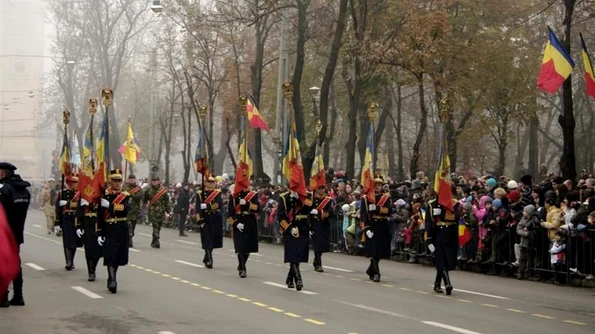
9, 253
99, 181
244, 170
254, 117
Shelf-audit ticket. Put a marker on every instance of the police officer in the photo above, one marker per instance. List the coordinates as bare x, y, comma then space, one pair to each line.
241, 211
374, 216
66, 208
210, 219
443, 240
85, 229
112, 228
136, 196
157, 206
15, 198
320, 225
293, 216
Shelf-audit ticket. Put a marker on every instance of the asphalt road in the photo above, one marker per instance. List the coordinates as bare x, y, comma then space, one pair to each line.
169, 291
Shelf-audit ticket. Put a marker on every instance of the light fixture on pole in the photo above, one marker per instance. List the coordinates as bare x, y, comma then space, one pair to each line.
314, 91
156, 6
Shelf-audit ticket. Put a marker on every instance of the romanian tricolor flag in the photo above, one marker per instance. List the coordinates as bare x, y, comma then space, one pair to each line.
130, 149
367, 177
85, 186
589, 73
102, 159
464, 234
244, 170
64, 164
317, 174
201, 160
556, 66
293, 169
254, 117
442, 183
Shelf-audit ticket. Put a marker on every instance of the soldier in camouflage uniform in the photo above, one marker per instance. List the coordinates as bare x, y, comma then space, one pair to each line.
136, 195
157, 206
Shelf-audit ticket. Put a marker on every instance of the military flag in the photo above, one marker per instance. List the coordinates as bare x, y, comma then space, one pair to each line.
64, 165
589, 73
293, 169
130, 149
100, 176
254, 117
556, 65
367, 175
9, 253
85, 186
318, 173
244, 169
442, 182
201, 161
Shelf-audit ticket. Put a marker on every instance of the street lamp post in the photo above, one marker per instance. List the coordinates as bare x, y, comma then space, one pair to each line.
314, 91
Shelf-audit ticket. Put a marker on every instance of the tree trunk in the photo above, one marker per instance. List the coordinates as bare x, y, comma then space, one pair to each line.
400, 162
414, 165
533, 146
332, 130
566, 120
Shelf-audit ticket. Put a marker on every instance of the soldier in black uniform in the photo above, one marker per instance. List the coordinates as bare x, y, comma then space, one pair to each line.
443, 240
85, 229
293, 217
320, 226
112, 228
66, 207
15, 199
374, 216
210, 219
241, 211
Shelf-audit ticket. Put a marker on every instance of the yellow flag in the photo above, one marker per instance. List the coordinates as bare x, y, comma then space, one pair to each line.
131, 150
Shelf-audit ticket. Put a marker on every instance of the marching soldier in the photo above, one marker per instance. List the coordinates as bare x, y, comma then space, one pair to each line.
320, 226
66, 207
209, 217
443, 240
112, 228
136, 196
242, 210
374, 217
47, 203
86, 220
293, 217
157, 206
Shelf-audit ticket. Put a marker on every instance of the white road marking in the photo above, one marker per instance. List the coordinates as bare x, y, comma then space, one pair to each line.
285, 287
34, 266
190, 264
134, 249
165, 332
87, 292
338, 269
480, 294
377, 310
35, 225
145, 234
253, 254
451, 328
187, 242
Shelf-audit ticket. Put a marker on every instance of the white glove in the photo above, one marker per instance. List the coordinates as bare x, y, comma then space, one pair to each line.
144, 186
294, 231
369, 234
100, 240
62, 203
84, 202
104, 203
294, 195
79, 233
242, 201
203, 206
57, 229
372, 207
311, 233
314, 212
436, 212
240, 227
431, 248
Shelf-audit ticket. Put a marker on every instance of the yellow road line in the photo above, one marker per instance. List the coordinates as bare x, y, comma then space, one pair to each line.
166, 275
185, 281
316, 322
274, 309
219, 292
195, 284
542, 316
293, 315
205, 288
259, 304
245, 299
176, 278
231, 295
575, 322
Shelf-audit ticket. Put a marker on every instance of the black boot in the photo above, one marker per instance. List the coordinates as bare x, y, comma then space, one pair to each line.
91, 270
209, 258
4, 302
242, 265
299, 284
318, 262
290, 278
370, 272
447, 283
438, 282
376, 270
112, 284
130, 244
69, 256
17, 284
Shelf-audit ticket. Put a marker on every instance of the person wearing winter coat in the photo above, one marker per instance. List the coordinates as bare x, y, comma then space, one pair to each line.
525, 229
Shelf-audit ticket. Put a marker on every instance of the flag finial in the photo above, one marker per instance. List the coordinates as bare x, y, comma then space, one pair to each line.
92, 106
66, 117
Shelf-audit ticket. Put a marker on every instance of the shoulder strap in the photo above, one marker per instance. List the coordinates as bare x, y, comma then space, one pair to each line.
212, 196
157, 196
383, 200
323, 204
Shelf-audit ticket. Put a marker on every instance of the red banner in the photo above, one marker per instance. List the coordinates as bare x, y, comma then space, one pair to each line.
9, 253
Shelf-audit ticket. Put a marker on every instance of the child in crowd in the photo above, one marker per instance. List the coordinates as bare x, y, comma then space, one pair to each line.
557, 253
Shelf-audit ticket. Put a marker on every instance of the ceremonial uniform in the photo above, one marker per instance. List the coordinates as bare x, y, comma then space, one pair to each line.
210, 219
241, 211
15, 199
376, 228
136, 196
66, 207
112, 228
293, 218
320, 228
443, 240
157, 206
86, 223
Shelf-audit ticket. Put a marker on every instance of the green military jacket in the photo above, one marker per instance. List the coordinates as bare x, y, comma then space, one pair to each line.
136, 196
157, 205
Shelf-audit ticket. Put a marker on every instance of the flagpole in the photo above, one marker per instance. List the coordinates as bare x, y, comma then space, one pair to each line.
372, 106
126, 160
92, 111
203, 115
107, 95
65, 120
